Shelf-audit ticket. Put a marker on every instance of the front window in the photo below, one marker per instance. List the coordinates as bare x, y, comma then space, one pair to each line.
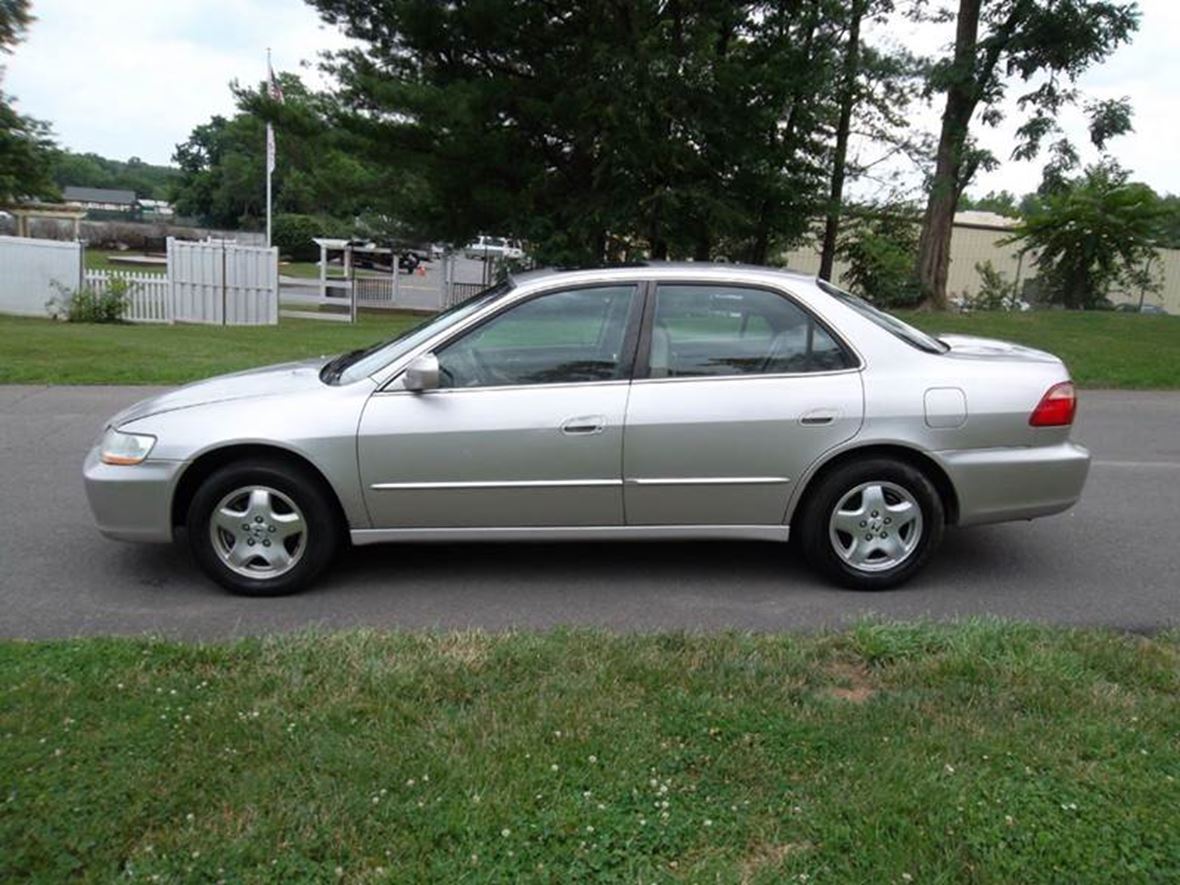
701, 331
558, 338
358, 364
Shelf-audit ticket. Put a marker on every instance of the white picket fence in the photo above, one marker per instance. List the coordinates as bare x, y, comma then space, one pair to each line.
215, 281
149, 295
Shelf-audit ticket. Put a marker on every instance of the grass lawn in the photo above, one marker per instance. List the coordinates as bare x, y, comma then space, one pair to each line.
34, 351
311, 270
96, 260
981, 752
1101, 348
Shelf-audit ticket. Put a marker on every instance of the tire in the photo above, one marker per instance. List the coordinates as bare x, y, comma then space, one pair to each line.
288, 514
904, 517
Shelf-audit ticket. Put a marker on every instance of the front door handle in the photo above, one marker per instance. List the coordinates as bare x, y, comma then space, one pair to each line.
583, 425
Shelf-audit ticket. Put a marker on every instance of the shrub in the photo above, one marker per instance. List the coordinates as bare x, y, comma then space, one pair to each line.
91, 304
879, 250
995, 292
293, 234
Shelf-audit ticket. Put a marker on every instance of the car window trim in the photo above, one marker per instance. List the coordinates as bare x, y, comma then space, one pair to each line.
628, 351
643, 360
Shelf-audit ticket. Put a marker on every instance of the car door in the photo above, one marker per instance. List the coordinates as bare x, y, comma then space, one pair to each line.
739, 390
526, 428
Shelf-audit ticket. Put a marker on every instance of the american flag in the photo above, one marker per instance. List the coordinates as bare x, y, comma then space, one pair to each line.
275, 92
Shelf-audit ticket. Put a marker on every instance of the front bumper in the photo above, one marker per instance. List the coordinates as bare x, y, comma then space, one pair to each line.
132, 503
996, 485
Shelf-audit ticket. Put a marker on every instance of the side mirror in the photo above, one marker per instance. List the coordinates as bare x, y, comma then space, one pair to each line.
422, 373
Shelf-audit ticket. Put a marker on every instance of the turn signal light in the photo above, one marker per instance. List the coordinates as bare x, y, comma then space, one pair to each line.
1057, 407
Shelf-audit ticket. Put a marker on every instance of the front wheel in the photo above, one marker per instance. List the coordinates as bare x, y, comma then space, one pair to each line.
262, 528
871, 525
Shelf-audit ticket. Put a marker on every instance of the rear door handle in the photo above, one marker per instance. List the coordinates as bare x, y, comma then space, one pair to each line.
583, 425
819, 417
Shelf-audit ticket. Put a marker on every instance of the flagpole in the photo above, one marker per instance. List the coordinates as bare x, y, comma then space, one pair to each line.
270, 140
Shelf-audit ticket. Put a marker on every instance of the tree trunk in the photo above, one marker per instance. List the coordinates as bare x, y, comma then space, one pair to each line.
934, 245
827, 256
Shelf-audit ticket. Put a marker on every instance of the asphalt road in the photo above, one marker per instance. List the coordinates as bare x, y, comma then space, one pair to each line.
1110, 561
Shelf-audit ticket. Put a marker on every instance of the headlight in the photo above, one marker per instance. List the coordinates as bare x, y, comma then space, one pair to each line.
124, 448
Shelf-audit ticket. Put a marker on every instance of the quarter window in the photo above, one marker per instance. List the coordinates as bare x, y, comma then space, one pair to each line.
716, 330
558, 338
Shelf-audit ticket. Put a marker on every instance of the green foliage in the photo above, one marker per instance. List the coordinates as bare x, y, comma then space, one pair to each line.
1049, 43
979, 752
995, 292
1000, 202
91, 170
293, 234
1097, 232
26, 155
14, 19
91, 304
26, 144
318, 166
879, 251
601, 131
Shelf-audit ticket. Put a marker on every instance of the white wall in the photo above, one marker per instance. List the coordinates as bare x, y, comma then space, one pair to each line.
29, 269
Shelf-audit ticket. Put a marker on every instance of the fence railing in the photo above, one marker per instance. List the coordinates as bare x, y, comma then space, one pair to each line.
149, 295
457, 293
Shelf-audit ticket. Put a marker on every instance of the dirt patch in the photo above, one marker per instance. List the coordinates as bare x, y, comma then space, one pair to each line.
855, 682
762, 857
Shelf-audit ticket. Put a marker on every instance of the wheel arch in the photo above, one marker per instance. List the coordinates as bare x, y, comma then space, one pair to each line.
208, 462
914, 457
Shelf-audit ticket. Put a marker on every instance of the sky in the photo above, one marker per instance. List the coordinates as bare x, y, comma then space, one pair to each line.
127, 78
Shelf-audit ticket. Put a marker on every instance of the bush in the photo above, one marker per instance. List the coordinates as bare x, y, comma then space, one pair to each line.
293, 234
91, 304
879, 250
995, 292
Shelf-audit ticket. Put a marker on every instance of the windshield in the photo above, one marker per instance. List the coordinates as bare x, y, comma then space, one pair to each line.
358, 364
907, 333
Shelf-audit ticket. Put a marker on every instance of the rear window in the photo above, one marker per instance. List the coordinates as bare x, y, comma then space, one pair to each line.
907, 333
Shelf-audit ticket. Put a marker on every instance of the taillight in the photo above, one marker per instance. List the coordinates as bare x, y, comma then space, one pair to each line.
1057, 407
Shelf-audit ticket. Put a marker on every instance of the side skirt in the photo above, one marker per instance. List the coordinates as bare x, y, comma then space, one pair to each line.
576, 533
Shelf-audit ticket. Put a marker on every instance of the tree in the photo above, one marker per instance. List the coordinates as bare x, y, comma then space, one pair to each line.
1048, 41
91, 170
1098, 232
874, 89
26, 144
15, 19
878, 246
223, 163
1000, 202
599, 130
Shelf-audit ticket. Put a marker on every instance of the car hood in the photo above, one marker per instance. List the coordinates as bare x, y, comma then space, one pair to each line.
284, 378
970, 347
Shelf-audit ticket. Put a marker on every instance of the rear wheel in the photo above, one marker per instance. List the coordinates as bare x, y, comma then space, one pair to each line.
871, 525
262, 528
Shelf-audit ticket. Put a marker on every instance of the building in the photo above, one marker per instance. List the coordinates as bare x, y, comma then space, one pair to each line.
100, 199
984, 236
156, 209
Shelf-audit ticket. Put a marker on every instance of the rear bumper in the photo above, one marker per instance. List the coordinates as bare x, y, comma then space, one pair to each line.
996, 485
131, 503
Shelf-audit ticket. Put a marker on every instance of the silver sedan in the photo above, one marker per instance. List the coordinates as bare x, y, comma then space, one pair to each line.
650, 402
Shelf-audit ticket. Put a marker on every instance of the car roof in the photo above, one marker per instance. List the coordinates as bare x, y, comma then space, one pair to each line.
672, 269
